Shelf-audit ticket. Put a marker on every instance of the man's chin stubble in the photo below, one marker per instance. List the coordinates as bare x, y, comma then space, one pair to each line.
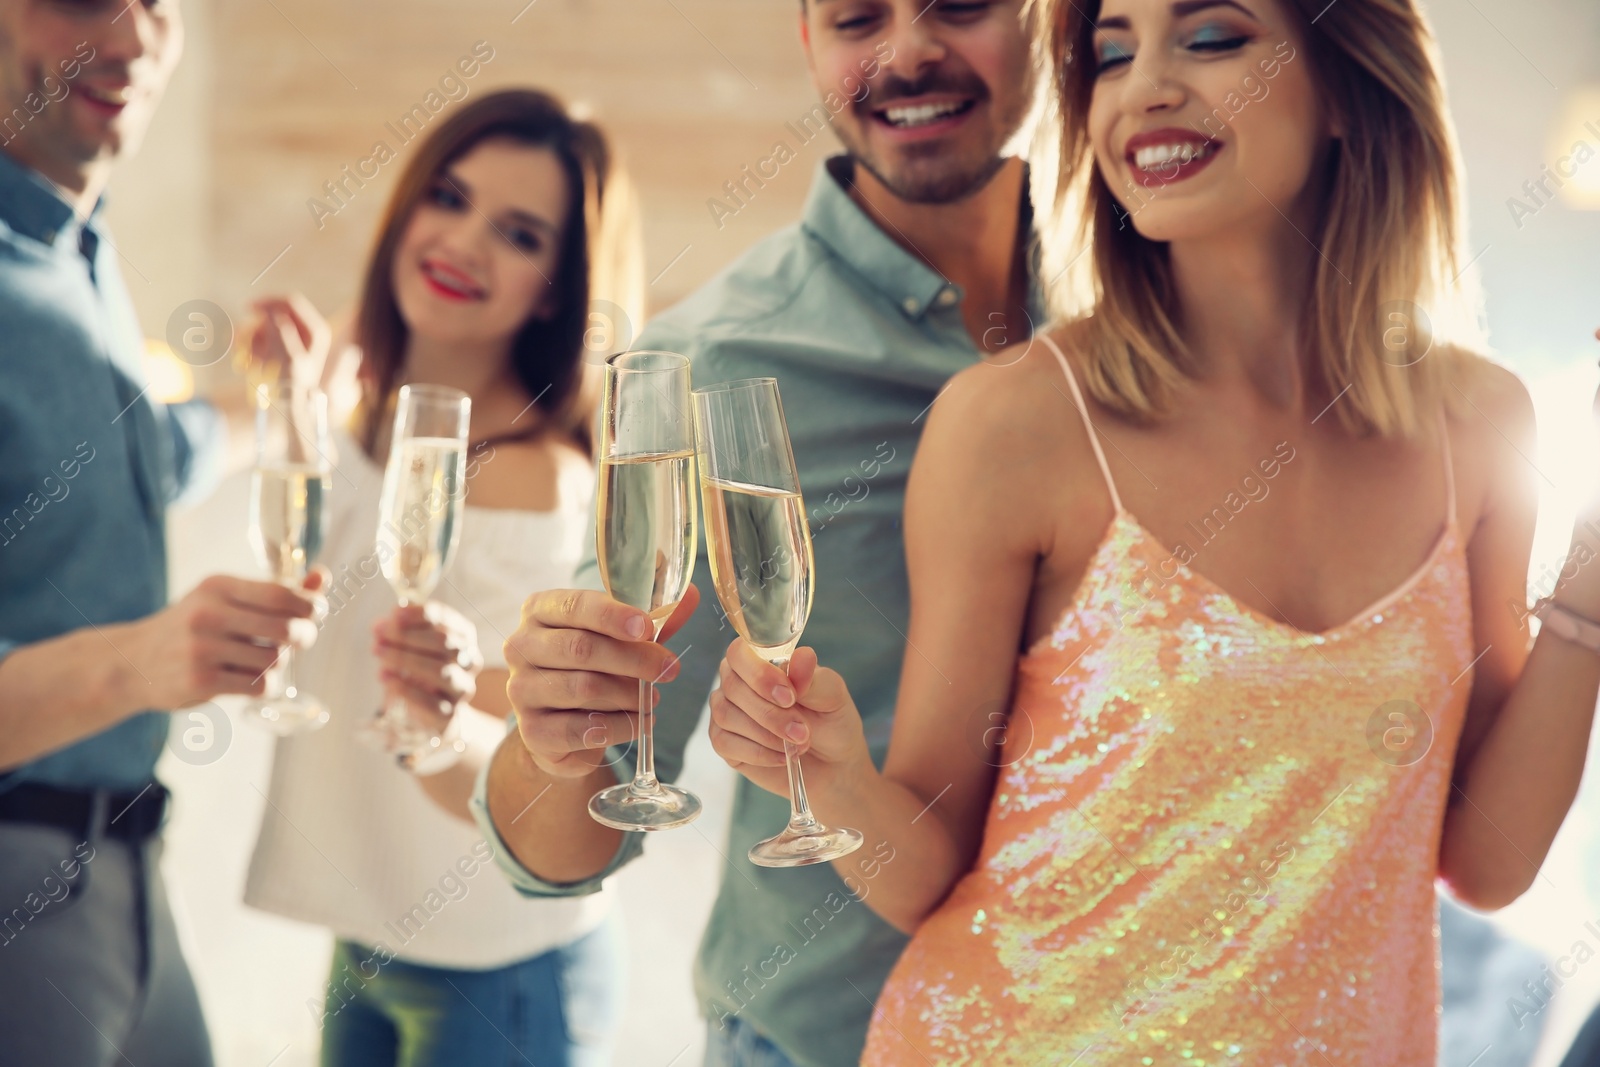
937, 188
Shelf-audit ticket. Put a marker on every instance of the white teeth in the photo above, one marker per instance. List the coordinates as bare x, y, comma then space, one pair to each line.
920, 115
450, 283
110, 96
1162, 156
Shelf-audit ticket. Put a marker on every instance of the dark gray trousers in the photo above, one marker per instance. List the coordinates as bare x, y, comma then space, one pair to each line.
90, 970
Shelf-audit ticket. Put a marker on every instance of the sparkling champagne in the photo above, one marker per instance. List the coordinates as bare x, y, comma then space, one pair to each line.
420, 515
646, 542
288, 518
761, 561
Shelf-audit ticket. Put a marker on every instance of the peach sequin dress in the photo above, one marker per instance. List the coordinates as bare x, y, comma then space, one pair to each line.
1213, 839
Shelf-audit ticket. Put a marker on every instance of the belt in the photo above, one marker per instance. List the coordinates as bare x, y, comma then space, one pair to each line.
132, 817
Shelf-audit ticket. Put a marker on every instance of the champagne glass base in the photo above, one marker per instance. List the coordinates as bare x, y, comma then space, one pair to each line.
288, 715
396, 736
790, 849
377, 733
622, 807
431, 758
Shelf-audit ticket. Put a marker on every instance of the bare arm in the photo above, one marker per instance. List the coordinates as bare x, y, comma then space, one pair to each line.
80, 677
56, 692
971, 579
482, 731
1522, 750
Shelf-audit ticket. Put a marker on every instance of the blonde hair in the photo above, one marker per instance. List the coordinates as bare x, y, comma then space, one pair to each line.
1389, 232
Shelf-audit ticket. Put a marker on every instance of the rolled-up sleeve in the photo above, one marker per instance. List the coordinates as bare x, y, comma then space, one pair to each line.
199, 448
524, 880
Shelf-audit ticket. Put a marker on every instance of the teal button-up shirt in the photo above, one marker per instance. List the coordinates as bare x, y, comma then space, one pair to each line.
861, 336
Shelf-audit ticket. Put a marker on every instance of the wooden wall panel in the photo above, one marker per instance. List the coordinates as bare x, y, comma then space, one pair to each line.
691, 89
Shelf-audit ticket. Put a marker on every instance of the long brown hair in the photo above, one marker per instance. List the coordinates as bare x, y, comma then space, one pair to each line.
599, 260
1386, 285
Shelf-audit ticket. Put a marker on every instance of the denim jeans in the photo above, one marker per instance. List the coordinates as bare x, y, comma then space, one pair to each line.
560, 1009
739, 1045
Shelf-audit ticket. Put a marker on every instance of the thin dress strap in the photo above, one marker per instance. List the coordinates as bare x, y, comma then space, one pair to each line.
1083, 409
1449, 473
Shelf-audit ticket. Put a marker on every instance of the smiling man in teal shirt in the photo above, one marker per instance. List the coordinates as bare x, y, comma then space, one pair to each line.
909, 264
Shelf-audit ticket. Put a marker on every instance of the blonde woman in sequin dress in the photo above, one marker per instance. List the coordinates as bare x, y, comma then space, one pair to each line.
1219, 652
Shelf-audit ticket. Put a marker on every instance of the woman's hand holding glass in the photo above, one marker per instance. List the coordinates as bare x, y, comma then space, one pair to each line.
757, 705
429, 661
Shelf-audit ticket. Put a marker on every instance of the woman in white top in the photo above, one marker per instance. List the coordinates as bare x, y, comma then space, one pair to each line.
504, 223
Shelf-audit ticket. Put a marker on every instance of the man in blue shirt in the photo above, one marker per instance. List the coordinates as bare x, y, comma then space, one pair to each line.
90, 971
909, 264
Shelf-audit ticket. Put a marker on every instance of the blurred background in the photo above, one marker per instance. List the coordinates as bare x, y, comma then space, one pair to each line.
227, 202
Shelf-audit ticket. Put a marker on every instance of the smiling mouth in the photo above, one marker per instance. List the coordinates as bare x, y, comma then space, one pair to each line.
913, 116
1162, 158
450, 284
110, 98
120, 95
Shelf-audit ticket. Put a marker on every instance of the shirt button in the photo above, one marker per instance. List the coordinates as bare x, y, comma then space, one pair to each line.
947, 297
910, 304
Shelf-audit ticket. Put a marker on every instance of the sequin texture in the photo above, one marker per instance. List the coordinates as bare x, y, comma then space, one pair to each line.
1199, 854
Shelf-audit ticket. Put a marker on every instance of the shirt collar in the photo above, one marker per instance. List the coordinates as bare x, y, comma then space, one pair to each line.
32, 206
833, 218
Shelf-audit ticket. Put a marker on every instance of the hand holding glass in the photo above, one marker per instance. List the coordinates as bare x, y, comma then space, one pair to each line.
288, 523
762, 567
645, 545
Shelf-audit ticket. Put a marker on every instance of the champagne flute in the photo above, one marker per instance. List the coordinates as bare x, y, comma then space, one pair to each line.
762, 567
288, 523
645, 545
419, 527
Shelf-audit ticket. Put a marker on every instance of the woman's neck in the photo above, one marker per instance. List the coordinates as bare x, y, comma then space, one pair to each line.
499, 401
480, 371
1242, 297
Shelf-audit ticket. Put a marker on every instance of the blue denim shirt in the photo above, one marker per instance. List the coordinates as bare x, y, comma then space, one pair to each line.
88, 462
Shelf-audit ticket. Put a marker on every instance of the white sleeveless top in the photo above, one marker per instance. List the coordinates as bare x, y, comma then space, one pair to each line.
348, 840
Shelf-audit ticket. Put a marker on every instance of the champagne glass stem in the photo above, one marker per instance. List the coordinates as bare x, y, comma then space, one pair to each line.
394, 715
644, 768
645, 802
287, 686
644, 771
801, 821
280, 676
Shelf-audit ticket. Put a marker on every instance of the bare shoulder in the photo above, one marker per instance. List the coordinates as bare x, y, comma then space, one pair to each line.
1018, 396
1006, 435
523, 475
1487, 398
1492, 435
